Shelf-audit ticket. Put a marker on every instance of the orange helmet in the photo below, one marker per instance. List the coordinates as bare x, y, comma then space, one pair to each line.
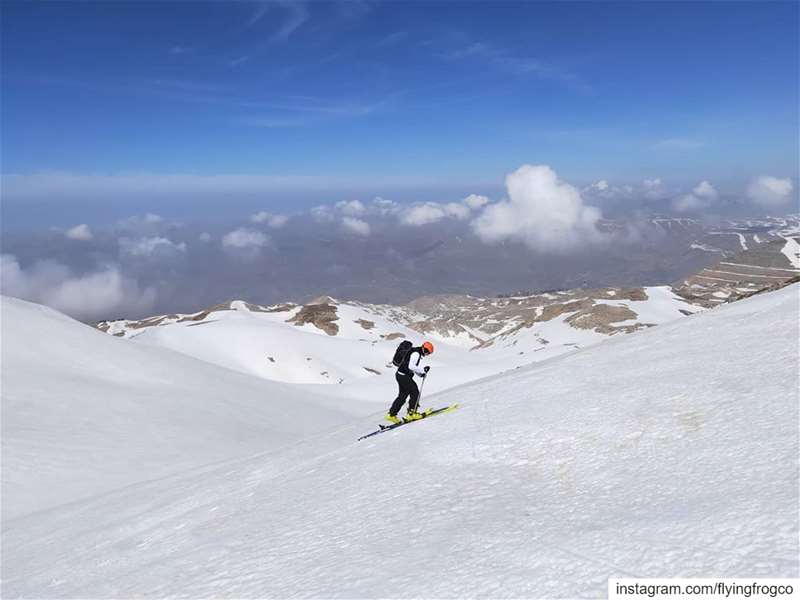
427, 347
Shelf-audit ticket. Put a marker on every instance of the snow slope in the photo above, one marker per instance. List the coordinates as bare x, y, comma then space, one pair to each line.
85, 413
672, 452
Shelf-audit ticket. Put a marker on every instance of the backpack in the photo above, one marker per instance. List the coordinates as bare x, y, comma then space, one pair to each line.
400, 353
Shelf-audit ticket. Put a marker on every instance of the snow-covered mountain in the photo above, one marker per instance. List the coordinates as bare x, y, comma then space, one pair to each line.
350, 343
670, 452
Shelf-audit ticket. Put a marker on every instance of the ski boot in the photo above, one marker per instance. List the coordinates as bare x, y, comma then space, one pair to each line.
413, 415
393, 419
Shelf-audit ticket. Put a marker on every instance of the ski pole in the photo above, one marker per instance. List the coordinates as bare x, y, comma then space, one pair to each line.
419, 400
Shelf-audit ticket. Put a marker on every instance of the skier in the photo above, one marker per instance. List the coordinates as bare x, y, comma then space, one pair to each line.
408, 367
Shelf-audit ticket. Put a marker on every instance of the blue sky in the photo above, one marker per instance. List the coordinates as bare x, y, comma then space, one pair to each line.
398, 98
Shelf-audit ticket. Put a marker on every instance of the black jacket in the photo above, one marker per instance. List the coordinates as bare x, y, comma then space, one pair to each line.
410, 364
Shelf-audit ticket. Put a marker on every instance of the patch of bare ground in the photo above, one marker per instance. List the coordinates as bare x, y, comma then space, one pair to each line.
198, 317
286, 307
203, 313
633, 294
321, 316
393, 336
423, 326
491, 328
220, 306
375, 371
600, 318
556, 310
151, 322
758, 269
365, 323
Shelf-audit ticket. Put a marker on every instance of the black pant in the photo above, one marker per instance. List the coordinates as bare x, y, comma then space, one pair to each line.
408, 389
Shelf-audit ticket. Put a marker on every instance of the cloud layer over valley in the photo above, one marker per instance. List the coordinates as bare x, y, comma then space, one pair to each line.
541, 232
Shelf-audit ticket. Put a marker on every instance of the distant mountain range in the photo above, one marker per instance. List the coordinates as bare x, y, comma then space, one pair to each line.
330, 341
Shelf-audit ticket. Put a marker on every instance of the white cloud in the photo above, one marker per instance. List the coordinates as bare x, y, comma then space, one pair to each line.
688, 203
770, 191
702, 197
604, 190
278, 221
433, 212
384, 207
542, 211
147, 224
260, 217
244, 239
205, 237
102, 294
355, 225
705, 190
423, 214
274, 221
150, 246
80, 232
456, 210
607, 193
515, 65
651, 183
353, 208
322, 214
296, 13
475, 201
654, 189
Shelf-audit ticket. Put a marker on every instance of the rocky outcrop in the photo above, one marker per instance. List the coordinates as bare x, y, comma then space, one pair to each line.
322, 316
393, 336
601, 318
286, 307
484, 319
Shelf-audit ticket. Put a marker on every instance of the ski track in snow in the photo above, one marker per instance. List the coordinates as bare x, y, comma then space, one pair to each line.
667, 453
